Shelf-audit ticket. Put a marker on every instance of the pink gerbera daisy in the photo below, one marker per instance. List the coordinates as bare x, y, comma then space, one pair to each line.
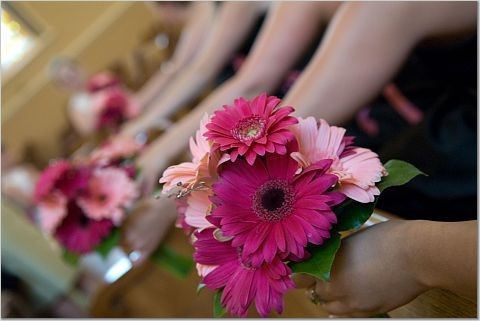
113, 106
51, 211
198, 206
251, 128
109, 192
102, 80
49, 177
202, 167
116, 148
181, 206
242, 283
80, 234
64, 177
358, 169
271, 211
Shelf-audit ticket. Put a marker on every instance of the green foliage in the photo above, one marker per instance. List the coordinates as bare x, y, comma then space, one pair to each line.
399, 173
70, 257
320, 263
175, 263
109, 243
218, 309
351, 214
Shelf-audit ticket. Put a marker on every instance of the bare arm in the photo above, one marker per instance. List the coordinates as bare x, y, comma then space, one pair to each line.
365, 45
230, 29
387, 265
191, 39
287, 32
445, 255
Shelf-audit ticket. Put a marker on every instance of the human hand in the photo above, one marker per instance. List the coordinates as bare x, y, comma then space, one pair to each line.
372, 273
151, 163
146, 227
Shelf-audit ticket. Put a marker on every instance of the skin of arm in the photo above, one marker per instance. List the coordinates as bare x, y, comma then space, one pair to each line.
192, 36
287, 32
389, 264
230, 29
365, 45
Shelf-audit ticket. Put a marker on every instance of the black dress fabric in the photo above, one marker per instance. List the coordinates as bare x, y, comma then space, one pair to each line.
442, 81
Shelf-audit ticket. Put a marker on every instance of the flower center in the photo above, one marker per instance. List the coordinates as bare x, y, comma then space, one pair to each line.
249, 128
273, 201
102, 198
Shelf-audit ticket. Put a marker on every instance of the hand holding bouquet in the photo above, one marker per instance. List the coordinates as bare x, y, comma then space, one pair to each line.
265, 196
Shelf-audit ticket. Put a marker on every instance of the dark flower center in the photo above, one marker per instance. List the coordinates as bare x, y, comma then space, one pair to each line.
249, 128
102, 198
273, 201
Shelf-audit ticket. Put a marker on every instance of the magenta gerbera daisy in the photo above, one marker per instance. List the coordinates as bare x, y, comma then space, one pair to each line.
49, 178
251, 128
80, 234
270, 211
242, 283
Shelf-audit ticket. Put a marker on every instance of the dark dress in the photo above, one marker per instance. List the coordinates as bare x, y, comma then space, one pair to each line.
442, 83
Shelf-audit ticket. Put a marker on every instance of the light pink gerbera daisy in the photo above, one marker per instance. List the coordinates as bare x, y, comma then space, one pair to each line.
242, 283
116, 148
109, 192
198, 206
270, 211
251, 128
203, 269
358, 169
51, 211
202, 167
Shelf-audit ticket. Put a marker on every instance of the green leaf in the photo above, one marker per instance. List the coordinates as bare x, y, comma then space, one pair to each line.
320, 263
381, 315
399, 173
70, 257
218, 309
109, 243
175, 263
352, 214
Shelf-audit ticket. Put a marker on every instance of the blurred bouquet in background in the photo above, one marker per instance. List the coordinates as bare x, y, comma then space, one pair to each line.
266, 195
82, 203
103, 105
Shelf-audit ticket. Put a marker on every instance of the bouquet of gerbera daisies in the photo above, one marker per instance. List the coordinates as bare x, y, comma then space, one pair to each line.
105, 102
266, 195
112, 104
82, 203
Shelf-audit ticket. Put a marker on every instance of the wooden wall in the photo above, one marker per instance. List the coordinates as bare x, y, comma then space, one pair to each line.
93, 33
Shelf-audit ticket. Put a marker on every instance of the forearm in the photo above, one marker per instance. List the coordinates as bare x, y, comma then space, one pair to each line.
288, 30
191, 38
220, 45
175, 141
356, 58
443, 254
365, 45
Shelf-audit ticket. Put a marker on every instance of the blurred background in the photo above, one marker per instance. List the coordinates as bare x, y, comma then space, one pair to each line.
48, 51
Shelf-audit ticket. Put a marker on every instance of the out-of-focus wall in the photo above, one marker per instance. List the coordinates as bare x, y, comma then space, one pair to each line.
92, 33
